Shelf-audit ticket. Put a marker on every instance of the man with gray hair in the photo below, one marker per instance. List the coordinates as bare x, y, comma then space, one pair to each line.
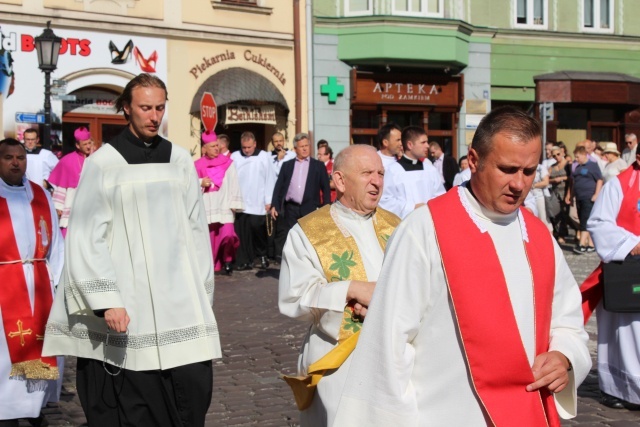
629, 153
332, 296
301, 188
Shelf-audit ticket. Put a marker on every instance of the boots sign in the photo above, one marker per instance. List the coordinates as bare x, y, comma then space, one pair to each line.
208, 111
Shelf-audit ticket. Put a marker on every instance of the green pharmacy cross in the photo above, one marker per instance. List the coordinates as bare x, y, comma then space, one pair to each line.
332, 89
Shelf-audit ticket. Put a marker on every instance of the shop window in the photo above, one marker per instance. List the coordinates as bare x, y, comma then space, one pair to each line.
358, 7
365, 119
572, 118
531, 13
440, 121
418, 7
597, 15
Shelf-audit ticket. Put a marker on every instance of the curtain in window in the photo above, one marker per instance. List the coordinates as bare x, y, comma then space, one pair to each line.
604, 14
588, 13
522, 12
538, 12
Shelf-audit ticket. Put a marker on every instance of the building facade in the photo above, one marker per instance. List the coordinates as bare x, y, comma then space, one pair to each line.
443, 64
249, 54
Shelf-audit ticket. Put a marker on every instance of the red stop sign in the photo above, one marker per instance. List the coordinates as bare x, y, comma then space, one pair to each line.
208, 111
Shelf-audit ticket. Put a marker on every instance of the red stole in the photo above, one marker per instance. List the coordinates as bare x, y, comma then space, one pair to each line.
24, 329
629, 219
495, 355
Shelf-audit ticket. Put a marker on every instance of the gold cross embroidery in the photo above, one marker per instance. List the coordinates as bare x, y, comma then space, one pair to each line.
20, 333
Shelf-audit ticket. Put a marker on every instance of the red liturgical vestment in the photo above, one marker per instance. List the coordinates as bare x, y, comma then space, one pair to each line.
495, 355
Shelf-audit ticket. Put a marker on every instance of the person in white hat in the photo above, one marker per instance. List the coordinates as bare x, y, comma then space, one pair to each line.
615, 164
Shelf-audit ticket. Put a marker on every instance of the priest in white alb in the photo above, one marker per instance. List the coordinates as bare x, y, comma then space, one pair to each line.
476, 318
411, 182
330, 264
135, 304
614, 225
31, 257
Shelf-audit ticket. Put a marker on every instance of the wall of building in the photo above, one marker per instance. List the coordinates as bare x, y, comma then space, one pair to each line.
188, 31
331, 120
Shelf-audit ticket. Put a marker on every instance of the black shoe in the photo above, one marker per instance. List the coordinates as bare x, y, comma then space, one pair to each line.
264, 262
278, 260
580, 250
228, 268
611, 401
590, 249
244, 267
41, 421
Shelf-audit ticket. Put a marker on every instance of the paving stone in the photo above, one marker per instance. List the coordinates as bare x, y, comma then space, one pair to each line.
258, 344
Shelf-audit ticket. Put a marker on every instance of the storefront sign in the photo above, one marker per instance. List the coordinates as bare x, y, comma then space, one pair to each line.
406, 89
87, 60
236, 114
199, 69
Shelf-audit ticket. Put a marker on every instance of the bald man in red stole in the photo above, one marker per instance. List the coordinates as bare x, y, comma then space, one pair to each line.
476, 319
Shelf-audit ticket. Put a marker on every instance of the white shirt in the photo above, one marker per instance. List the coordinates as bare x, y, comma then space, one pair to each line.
409, 367
629, 155
19, 398
39, 166
462, 177
257, 179
437, 163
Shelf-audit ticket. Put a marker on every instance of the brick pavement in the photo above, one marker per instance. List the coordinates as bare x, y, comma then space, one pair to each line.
258, 343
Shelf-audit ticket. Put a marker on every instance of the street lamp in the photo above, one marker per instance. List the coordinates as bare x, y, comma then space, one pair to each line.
48, 47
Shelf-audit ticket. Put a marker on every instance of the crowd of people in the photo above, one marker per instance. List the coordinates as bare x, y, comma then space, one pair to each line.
110, 256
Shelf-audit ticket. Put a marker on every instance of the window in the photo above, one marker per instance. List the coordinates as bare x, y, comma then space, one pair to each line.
358, 7
598, 15
242, 2
418, 7
531, 13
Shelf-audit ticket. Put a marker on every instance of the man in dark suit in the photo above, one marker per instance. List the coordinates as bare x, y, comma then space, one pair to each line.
301, 188
444, 163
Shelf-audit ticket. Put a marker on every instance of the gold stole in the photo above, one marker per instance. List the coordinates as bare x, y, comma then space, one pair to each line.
340, 259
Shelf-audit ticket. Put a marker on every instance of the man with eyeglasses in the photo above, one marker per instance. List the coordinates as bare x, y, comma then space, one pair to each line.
629, 153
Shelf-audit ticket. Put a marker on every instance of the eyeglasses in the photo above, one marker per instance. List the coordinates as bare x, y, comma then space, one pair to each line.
557, 155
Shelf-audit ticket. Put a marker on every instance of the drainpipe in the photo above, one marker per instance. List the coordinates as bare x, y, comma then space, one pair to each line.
298, 63
310, 74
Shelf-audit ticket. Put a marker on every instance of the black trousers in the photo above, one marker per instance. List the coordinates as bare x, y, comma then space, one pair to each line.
252, 232
286, 221
177, 397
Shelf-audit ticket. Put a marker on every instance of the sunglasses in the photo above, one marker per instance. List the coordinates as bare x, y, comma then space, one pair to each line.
557, 155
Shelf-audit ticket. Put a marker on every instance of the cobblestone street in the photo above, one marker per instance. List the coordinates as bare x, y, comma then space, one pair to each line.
258, 344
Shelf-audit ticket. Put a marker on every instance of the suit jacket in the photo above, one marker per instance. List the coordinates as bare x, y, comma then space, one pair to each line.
317, 192
449, 171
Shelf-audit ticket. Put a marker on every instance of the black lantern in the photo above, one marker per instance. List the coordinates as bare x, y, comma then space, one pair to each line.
48, 47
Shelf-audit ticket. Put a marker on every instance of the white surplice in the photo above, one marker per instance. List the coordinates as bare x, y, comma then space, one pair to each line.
220, 205
403, 189
462, 177
386, 160
22, 398
618, 333
257, 179
305, 294
39, 166
409, 367
138, 239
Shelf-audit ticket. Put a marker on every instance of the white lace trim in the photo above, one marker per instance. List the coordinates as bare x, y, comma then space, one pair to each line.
476, 220
470, 212
523, 226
